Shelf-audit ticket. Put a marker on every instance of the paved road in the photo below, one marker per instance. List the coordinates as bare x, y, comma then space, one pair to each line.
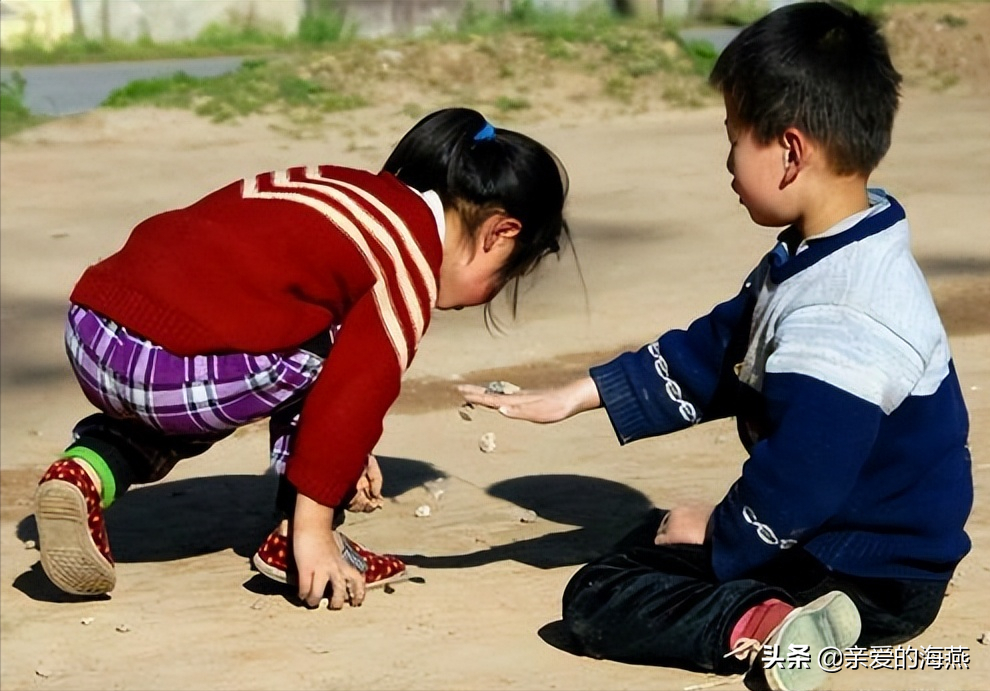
69, 89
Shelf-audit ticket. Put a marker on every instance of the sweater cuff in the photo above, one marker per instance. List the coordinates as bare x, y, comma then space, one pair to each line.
620, 402
316, 485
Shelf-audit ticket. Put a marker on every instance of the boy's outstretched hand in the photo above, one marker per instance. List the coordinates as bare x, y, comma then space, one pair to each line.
684, 525
538, 405
318, 558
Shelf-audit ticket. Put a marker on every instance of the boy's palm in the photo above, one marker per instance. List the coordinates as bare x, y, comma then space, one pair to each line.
537, 405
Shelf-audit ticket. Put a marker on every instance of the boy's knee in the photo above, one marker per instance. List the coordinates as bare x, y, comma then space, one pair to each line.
581, 618
587, 610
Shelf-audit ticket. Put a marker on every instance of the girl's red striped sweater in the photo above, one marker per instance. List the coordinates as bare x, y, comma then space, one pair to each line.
267, 263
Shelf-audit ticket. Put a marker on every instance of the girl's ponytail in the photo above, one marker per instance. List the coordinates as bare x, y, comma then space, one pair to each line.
479, 169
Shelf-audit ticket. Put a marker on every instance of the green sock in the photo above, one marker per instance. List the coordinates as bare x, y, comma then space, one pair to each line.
95, 461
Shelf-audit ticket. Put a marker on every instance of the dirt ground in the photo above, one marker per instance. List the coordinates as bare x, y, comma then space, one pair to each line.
659, 238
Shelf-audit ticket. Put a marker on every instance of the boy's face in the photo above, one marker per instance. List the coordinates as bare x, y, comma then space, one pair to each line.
757, 173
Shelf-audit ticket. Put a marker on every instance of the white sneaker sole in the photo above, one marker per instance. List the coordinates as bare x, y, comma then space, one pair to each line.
69, 556
831, 621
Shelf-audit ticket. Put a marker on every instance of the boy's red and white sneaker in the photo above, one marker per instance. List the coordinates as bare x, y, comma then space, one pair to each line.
274, 560
75, 549
830, 621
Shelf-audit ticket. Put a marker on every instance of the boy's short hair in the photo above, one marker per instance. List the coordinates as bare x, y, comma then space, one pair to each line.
821, 67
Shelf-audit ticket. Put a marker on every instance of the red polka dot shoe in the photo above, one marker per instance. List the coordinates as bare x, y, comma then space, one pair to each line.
75, 550
274, 560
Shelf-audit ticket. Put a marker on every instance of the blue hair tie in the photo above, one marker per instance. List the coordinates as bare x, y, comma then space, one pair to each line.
485, 133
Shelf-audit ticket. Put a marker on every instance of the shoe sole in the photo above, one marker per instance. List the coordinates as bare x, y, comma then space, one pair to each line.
69, 556
280, 576
831, 621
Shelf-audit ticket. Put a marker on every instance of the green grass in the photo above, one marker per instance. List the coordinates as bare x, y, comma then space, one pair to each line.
14, 115
510, 103
259, 86
292, 83
288, 75
238, 37
324, 67
214, 41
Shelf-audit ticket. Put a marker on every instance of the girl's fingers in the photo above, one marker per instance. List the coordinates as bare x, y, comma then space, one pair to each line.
338, 591
306, 589
357, 591
375, 482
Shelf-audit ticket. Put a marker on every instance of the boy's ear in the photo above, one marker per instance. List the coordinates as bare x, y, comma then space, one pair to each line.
500, 226
797, 150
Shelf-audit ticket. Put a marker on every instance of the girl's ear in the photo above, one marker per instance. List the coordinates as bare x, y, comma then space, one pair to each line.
497, 227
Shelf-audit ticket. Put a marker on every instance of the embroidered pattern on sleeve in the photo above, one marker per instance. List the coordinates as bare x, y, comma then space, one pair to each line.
765, 532
673, 389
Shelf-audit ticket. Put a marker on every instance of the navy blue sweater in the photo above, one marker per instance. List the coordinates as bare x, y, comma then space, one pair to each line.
835, 364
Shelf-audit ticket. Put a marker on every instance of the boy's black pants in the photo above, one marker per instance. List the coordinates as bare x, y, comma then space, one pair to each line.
662, 605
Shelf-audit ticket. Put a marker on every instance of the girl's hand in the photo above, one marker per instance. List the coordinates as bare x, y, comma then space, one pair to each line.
538, 405
368, 492
318, 558
684, 525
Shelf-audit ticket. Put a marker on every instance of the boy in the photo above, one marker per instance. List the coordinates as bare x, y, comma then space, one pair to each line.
847, 520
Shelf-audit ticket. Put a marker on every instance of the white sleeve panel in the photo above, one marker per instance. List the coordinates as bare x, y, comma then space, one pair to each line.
847, 349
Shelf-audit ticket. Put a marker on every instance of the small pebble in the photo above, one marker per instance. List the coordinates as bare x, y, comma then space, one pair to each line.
258, 604
463, 412
487, 442
984, 638
502, 387
434, 487
30, 544
318, 649
422, 511
86, 621
43, 672
123, 628
527, 516
324, 603
389, 589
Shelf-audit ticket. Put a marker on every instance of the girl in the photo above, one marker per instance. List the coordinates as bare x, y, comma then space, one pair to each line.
299, 296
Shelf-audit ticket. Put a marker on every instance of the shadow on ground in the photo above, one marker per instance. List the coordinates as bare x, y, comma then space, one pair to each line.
184, 518
603, 511
174, 520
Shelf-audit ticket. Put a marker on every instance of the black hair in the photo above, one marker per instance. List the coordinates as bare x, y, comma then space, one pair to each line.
479, 170
821, 67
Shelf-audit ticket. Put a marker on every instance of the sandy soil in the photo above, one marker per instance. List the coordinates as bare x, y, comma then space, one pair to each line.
660, 238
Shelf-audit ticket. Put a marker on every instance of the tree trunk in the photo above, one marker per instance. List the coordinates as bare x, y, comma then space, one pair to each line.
78, 30
105, 19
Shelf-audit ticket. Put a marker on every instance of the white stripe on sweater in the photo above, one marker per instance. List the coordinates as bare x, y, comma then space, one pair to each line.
380, 292
384, 236
408, 240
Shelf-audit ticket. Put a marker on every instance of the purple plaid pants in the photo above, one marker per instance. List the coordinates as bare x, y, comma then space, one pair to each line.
158, 408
